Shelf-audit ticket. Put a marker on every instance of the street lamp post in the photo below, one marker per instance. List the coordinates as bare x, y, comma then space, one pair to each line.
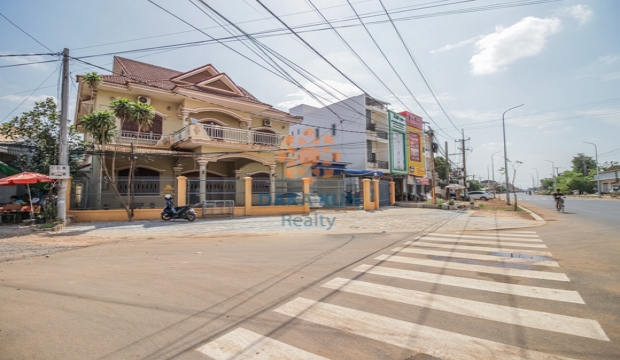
493, 171
555, 186
533, 185
598, 180
537, 179
506, 154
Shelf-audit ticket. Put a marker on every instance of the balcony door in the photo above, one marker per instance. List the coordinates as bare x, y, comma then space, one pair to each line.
130, 130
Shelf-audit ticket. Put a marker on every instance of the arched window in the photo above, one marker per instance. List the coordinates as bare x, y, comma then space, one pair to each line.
146, 181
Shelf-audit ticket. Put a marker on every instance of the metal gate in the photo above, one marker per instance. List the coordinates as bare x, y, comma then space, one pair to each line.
216, 189
384, 193
331, 191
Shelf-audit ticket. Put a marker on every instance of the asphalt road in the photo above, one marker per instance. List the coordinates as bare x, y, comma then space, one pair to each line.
384, 295
603, 212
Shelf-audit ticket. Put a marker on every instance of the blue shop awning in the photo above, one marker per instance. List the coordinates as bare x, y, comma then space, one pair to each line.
363, 172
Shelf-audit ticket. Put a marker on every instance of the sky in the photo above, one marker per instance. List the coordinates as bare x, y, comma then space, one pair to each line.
560, 59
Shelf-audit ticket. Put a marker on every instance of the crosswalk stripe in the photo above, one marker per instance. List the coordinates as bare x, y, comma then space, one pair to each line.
241, 344
505, 314
479, 248
518, 232
480, 242
483, 237
419, 338
542, 275
484, 285
453, 254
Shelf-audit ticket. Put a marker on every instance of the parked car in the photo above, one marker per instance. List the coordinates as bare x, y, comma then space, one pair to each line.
481, 195
298, 199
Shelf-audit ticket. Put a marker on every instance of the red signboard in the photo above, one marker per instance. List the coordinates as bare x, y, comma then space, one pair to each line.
413, 120
414, 146
425, 182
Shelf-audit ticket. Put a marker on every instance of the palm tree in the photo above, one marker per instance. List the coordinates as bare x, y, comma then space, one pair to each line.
93, 80
101, 125
142, 115
122, 109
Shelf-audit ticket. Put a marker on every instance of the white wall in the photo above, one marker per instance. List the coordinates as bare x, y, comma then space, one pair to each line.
351, 143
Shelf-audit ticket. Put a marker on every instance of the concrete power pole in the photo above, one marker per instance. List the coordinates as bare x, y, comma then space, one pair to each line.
63, 153
447, 172
431, 134
464, 163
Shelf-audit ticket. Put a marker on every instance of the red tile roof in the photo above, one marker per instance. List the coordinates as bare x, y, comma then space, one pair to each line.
160, 77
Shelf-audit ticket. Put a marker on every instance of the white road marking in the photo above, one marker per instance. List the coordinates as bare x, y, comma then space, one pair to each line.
484, 285
241, 344
484, 237
518, 232
505, 314
480, 242
453, 254
480, 248
543, 275
419, 338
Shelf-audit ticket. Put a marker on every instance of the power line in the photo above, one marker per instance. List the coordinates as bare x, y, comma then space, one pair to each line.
417, 66
25, 64
26, 55
24, 31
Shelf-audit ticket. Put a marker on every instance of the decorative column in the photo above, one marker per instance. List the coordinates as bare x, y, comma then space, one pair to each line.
248, 195
181, 190
203, 179
392, 193
272, 183
366, 190
239, 189
377, 195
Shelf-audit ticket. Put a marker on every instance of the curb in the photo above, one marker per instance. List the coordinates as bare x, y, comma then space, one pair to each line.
534, 215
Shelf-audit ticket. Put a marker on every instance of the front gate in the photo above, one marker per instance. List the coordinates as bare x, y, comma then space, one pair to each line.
331, 191
384, 193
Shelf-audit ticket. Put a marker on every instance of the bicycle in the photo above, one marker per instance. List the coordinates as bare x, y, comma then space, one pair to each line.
560, 206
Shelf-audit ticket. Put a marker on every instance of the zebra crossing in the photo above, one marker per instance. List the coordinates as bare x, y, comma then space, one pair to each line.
514, 256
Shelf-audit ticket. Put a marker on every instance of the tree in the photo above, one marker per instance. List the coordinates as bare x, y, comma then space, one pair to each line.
583, 163
142, 115
474, 185
440, 167
93, 80
515, 165
101, 125
38, 130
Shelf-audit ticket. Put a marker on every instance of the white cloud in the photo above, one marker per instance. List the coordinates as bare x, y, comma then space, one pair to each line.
609, 59
506, 45
429, 99
25, 60
611, 76
302, 97
449, 47
581, 13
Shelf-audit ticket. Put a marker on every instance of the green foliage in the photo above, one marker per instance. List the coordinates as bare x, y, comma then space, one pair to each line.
440, 167
101, 125
569, 181
39, 131
583, 163
121, 108
474, 185
546, 183
92, 79
610, 166
143, 115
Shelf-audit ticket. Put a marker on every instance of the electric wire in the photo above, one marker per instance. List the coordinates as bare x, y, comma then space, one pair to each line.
24, 31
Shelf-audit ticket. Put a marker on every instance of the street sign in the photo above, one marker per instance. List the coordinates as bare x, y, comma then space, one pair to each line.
59, 171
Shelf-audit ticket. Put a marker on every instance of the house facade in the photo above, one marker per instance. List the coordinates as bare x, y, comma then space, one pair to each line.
206, 128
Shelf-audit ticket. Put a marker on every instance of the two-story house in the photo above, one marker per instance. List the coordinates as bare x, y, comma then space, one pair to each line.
206, 127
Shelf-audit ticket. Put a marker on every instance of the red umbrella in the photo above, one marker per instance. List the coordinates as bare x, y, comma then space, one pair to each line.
26, 178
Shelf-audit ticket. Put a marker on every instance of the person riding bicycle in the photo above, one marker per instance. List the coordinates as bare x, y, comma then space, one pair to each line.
559, 198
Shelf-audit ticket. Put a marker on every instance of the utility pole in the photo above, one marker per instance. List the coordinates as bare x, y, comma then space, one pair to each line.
63, 157
431, 134
598, 179
464, 165
447, 173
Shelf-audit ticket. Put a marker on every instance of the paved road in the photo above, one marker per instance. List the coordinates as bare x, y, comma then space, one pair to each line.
549, 292
594, 211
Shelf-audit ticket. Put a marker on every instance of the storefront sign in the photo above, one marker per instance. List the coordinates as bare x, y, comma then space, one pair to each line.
415, 138
398, 143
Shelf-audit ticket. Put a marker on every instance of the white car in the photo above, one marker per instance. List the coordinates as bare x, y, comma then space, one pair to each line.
297, 198
480, 195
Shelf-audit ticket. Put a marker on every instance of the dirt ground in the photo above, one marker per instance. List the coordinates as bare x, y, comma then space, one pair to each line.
496, 208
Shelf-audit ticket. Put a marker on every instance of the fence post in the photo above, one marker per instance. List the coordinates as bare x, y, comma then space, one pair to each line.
377, 194
305, 192
181, 190
248, 195
392, 193
366, 189
68, 196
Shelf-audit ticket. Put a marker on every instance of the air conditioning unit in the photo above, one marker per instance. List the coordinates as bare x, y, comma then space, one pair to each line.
266, 122
144, 100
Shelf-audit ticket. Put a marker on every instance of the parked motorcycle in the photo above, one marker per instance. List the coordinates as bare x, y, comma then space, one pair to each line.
186, 212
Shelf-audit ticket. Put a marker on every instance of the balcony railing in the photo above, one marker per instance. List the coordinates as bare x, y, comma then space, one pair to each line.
208, 132
140, 136
371, 126
382, 134
381, 164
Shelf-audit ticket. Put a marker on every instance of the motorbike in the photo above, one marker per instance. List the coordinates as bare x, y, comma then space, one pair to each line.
181, 212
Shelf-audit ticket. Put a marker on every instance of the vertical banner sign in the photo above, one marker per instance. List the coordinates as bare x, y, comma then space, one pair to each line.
398, 143
415, 126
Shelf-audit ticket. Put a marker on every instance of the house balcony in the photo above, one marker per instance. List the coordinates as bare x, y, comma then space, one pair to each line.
372, 163
196, 135
143, 139
374, 134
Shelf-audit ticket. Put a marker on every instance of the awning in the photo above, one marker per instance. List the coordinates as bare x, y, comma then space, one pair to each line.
363, 172
8, 170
